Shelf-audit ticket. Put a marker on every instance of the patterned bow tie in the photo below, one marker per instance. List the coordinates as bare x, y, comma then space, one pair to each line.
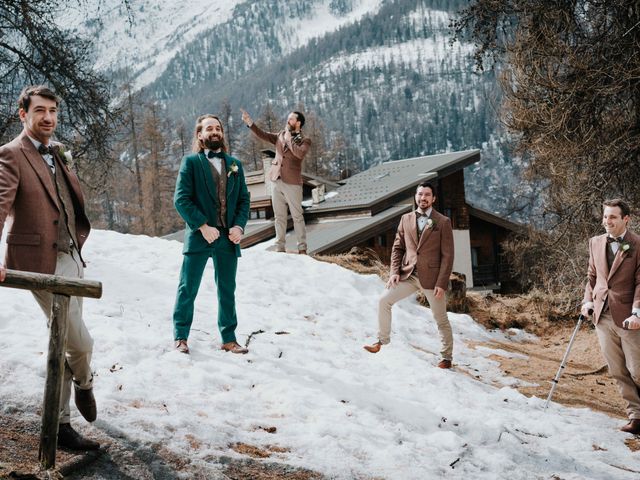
215, 154
614, 239
44, 150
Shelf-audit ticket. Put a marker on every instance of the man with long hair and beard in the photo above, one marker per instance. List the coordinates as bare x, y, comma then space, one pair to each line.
212, 197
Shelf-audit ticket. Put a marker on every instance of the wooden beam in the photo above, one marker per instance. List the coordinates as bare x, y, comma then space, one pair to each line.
73, 287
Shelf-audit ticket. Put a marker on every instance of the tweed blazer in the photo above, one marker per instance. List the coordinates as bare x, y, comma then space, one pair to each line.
618, 287
29, 205
292, 153
431, 253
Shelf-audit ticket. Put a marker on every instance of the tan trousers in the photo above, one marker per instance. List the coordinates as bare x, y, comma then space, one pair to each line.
285, 195
621, 350
79, 341
438, 308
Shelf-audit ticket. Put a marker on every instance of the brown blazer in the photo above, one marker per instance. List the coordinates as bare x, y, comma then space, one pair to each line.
292, 153
620, 287
432, 253
28, 202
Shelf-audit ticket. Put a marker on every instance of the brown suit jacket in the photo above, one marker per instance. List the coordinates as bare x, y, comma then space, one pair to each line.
620, 287
432, 253
29, 204
292, 153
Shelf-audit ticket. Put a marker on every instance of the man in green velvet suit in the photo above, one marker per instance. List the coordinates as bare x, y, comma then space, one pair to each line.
212, 197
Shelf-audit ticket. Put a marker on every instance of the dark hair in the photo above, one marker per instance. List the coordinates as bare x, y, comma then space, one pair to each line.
618, 202
24, 100
197, 145
300, 118
427, 185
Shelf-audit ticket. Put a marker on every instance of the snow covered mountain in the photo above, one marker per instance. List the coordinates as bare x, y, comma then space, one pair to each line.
378, 78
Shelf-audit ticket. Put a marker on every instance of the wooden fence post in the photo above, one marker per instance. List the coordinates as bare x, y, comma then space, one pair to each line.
62, 288
53, 384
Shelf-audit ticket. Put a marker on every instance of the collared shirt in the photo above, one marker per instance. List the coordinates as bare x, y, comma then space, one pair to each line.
47, 157
215, 161
615, 245
422, 221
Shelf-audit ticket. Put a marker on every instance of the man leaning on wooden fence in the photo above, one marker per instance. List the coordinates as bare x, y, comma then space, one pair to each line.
41, 200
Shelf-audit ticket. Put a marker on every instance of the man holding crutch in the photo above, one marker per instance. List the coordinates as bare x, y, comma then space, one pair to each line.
613, 293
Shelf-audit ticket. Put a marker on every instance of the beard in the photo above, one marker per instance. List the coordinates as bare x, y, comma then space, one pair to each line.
214, 143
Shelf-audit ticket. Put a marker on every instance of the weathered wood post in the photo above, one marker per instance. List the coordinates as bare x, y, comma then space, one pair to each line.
62, 288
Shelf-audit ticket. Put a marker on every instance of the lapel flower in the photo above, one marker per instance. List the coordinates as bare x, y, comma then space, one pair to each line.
430, 223
233, 168
625, 247
64, 155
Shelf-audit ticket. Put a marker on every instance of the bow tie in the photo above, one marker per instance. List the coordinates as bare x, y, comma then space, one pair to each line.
44, 150
215, 154
418, 214
614, 239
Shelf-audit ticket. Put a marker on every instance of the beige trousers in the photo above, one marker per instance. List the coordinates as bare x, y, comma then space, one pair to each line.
621, 350
438, 308
79, 341
285, 195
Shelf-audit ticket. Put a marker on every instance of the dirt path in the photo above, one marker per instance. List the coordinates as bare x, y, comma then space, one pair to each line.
585, 381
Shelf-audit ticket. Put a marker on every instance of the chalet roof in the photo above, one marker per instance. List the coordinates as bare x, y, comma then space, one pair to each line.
495, 219
388, 179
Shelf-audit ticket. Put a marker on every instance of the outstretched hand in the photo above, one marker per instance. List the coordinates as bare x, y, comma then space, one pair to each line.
246, 118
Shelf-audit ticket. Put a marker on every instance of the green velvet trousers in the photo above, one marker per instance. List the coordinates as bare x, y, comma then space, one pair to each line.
225, 265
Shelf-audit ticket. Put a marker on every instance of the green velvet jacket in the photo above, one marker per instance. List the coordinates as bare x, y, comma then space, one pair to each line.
195, 199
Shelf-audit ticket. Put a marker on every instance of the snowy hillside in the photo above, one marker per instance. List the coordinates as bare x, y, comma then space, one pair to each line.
337, 409
145, 38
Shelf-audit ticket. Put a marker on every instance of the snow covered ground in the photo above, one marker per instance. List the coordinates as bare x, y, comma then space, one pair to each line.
338, 409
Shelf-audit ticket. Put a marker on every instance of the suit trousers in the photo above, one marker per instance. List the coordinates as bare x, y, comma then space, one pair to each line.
621, 350
283, 195
438, 308
79, 341
225, 265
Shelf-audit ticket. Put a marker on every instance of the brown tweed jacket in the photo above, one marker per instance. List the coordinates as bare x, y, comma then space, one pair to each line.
28, 203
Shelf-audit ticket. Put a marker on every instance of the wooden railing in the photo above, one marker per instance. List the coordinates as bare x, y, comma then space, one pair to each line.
61, 288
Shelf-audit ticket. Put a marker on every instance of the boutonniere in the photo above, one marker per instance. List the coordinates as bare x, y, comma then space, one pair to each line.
625, 247
65, 156
430, 224
233, 168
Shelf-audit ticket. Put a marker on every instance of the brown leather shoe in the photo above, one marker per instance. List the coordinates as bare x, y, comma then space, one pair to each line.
181, 346
632, 427
233, 347
375, 348
72, 440
86, 403
302, 252
444, 363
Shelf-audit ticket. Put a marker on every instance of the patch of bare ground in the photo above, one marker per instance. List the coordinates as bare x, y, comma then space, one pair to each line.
122, 458
585, 381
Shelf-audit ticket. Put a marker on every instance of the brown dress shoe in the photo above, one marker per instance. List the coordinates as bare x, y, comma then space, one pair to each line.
233, 347
181, 346
86, 403
69, 438
632, 427
302, 252
375, 348
444, 363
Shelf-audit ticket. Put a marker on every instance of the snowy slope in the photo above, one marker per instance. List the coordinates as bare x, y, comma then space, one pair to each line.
338, 409
143, 39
